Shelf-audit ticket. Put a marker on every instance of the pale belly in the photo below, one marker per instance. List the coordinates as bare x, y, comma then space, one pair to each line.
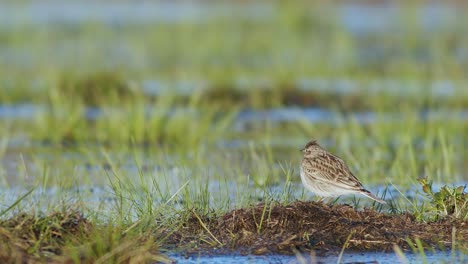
323, 189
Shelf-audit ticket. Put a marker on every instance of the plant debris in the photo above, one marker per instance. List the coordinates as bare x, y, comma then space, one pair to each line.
302, 226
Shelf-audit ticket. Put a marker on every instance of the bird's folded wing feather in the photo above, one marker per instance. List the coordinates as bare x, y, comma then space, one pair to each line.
331, 169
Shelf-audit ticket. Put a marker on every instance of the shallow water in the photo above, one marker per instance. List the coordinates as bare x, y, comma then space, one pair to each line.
102, 198
348, 257
120, 12
402, 88
357, 18
25, 111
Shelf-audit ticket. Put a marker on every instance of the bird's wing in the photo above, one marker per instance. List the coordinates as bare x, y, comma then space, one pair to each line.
332, 170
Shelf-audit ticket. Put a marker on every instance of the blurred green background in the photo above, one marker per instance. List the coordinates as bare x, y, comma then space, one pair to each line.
230, 90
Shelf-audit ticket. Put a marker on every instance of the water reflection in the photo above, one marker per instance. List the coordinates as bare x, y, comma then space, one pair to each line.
119, 13
284, 114
348, 257
356, 18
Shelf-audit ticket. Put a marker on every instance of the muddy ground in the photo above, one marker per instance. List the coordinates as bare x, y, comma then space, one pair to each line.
304, 226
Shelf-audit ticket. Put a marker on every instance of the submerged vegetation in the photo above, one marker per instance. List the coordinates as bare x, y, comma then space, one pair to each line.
121, 141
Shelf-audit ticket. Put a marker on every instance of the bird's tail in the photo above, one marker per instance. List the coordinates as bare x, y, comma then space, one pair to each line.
373, 197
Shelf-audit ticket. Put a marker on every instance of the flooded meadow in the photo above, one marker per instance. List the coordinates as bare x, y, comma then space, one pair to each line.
169, 131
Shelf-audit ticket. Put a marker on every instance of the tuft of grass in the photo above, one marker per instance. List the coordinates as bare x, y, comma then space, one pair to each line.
96, 88
67, 236
110, 244
136, 122
39, 237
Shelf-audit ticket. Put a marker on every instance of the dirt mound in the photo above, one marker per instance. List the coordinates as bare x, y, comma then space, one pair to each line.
312, 225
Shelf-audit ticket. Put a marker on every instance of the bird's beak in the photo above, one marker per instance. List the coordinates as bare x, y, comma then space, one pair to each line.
302, 150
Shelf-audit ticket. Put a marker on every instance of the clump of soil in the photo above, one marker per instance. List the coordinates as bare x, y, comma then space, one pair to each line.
312, 225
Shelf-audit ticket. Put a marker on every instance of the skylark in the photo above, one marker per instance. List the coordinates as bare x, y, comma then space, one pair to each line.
327, 175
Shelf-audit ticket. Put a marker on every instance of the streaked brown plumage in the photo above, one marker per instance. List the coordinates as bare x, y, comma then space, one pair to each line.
327, 175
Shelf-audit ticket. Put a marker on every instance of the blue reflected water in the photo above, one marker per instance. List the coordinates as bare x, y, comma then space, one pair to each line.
356, 18
283, 114
348, 257
119, 12
19, 111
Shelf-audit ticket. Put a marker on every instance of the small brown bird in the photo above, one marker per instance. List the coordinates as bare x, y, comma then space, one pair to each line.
327, 175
